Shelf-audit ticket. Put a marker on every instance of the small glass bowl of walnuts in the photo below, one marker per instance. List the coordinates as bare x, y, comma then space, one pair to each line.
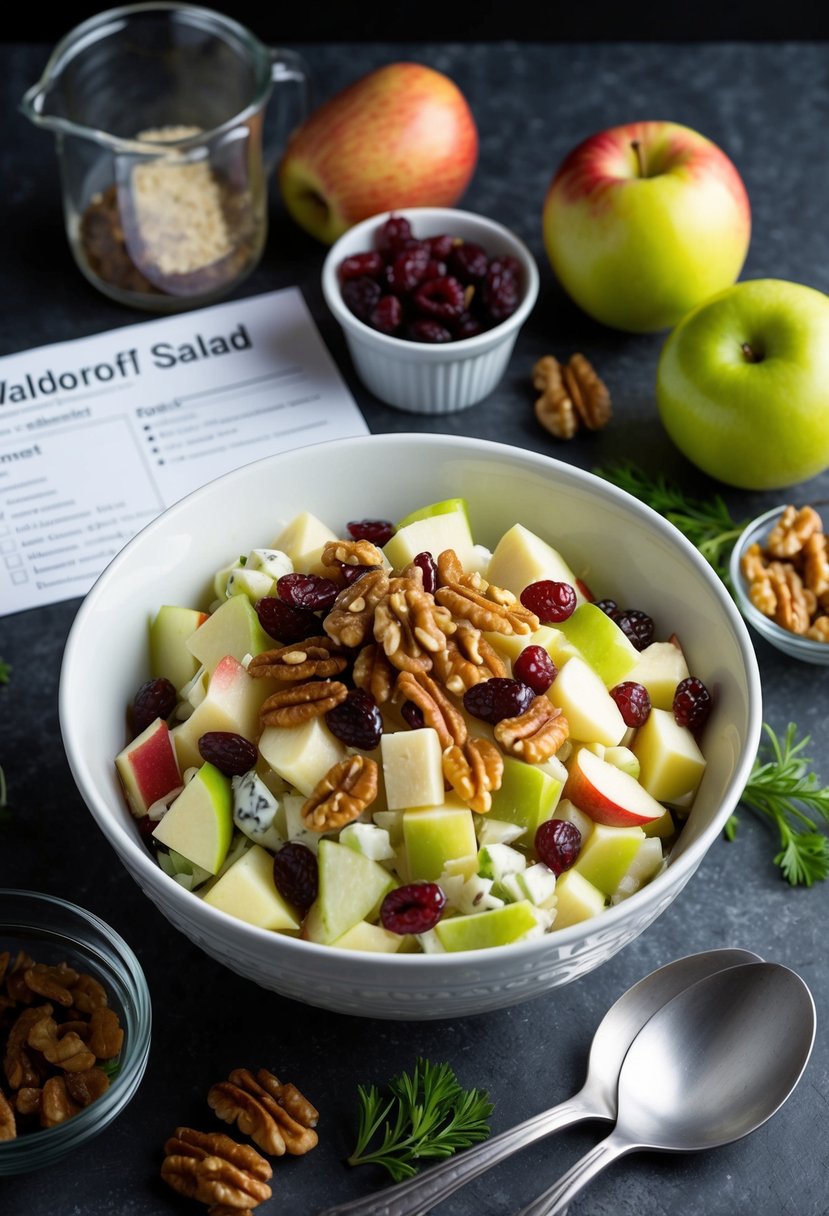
75, 1022
430, 300
779, 570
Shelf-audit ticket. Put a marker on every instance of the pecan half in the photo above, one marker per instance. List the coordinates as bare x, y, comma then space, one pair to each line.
314, 658
88, 994
86, 1087
438, 710
350, 619
571, 395
67, 1051
257, 1105
289, 1098
8, 1122
53, 983
55, 1104
214, 1169
342, 795
536, 734
474, 771
411, 627
106, 1038
301, 702
374, 673
18, 1065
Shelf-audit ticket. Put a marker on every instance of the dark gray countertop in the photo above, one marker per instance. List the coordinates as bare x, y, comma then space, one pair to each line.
768, 107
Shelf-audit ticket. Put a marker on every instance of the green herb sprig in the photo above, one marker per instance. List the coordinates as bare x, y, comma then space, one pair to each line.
783, 789
707, 523
5, 671
428, 1115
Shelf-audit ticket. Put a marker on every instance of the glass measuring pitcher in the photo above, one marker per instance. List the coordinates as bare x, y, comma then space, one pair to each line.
159, 113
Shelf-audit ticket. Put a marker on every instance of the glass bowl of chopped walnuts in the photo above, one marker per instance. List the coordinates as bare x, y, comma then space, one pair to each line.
75, 1023
780, 575
430, 301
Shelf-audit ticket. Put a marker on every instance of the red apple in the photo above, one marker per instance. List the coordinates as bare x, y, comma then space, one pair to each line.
148, 767
402, 136
644, 221
607, 794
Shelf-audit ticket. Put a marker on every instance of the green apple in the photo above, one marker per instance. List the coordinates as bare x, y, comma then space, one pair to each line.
148, 767
743, 384
671, 763
583, 698
659, 668
537, 883
412, 768
351, 888
607, 853
246, 890
232, 629
303, 539
576, 899
646, 864
401, 136
446, 506
494, 927
547, 636
601, 643
371, 939
432, 530
643, 221
199, 823
170, 629
526, 797
521, 557
434, 836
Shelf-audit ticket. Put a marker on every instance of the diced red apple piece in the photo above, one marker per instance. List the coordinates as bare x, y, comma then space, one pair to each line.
607, 794
232, 703
148, 767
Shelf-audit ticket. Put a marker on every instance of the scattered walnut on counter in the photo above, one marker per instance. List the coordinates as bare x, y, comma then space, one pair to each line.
572, 395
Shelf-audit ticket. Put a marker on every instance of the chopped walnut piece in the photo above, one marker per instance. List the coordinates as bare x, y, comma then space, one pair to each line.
8, 1122
106, 1038
470, 597
411, 627
301, 702
788, 579
351, 617
467, 659
18, 1065
86, 1087
351, 553
55, 1104
27, 1100
474, 771
315, 658
88, 994
571, 395
792, 530
213, 1169
815, 558
437, 708
536, 734
53, 983
342, 795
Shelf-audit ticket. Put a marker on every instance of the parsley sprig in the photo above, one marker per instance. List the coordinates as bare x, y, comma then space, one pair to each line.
783, 789
427, 1115
707, 523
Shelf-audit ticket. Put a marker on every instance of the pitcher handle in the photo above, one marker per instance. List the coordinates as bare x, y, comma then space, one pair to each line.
287, 67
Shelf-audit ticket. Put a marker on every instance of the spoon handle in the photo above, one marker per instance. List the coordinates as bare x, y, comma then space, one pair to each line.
562, 1192
420, 1194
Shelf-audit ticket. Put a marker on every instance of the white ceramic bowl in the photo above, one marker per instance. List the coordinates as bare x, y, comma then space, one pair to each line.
620, 547
416, 376
808, 650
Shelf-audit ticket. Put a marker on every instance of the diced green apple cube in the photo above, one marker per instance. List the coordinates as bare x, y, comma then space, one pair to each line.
570, 813
433, 534
671, 763
583, 698
412, 768
391, 822
551, 639
521, 557
527, 795
606, 855
576, 899
446, 506
646, 864
254, 584
494, 927
232, 629
497, 831
372, 939
246, 890
351, 888
434, 836
303, 754
199, 823
495, 861
537, 884
232, 703
601, 643
170, 629
660, 667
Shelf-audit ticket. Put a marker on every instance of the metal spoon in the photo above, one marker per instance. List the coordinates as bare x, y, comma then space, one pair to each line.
708, 1068
595, 1100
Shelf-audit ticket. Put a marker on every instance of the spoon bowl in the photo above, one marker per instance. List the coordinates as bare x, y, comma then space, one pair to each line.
713, 1064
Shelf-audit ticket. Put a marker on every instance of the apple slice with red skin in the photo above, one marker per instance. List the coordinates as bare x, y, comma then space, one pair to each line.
607, 794
148, 767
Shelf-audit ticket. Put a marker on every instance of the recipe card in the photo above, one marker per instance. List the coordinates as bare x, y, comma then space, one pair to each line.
98, 436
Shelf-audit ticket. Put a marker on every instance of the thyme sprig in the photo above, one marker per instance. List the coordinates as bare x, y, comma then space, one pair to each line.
428, 1115
706, 522
783, 789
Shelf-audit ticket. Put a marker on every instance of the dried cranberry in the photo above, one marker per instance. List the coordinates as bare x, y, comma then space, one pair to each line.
468, 261
467, 326
155, 699
427, 566
356, 721
230, 753
378, 531
535, 668
310, 591
428, 331
352, 573
634, 702
412, 715
557, 843
500, 293
415, 908
609, 608
434, 270
361, 296
146, 827
407, 269
692, 703
361, 265
442, 299
386, 316
441, 246
551, 601
296, 875
498, 698
284, 623
637, 626
393, 234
